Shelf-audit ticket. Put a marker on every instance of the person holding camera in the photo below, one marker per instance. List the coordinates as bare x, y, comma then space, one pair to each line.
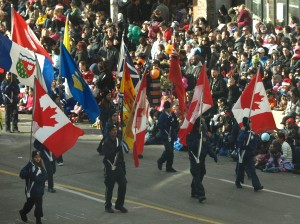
10, 90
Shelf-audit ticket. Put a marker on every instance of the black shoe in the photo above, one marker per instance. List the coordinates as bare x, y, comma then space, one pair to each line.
259, 188
140, 156
201, 199
159, 165
195, 196
51, 190
109, 210
9, 131
121, 209
23, 216
38, 221
238, 185
16, 131
171, 170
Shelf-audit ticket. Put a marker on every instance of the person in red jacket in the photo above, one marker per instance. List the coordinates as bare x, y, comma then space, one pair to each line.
167, 32
244, 17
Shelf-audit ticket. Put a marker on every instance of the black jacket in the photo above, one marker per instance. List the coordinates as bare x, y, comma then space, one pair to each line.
112, 150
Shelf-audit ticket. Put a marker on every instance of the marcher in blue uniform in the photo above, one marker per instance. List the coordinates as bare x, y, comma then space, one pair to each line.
197, 164
35, 176
247, 142
167, 126
115, 170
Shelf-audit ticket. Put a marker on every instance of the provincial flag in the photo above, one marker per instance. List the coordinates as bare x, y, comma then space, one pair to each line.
260, 113
78, 86
19, 60
51, 126
127, 92
124, 56
140, 119
201, 102
23, 35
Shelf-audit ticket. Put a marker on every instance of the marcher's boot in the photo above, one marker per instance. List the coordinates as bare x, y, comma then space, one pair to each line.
23, 216
38, 220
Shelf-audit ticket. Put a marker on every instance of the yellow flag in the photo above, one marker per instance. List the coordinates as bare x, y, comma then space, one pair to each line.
128, 101
67, 35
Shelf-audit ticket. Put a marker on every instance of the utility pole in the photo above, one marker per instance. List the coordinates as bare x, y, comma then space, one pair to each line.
114, 10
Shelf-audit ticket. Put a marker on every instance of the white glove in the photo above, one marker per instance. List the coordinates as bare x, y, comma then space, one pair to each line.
39, 171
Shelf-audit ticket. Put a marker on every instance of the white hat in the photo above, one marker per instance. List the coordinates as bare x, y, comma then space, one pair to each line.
59, 6
174, 23
261, 50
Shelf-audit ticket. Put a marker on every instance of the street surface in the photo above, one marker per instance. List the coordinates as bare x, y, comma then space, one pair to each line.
153, 196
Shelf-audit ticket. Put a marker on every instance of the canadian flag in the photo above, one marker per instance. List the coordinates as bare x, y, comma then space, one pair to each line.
260, 113
140, 120
51, 126
202, 98
23, 35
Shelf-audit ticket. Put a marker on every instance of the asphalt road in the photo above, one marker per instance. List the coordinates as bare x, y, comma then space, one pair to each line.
153, 196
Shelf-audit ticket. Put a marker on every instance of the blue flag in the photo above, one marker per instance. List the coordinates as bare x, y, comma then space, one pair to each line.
78, 87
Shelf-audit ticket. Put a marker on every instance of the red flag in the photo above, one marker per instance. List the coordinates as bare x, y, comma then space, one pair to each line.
202, 97
261, 114
51, 126
23, 35
139, 121
176, 78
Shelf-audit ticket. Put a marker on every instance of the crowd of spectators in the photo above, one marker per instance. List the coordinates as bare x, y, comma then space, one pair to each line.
227, 48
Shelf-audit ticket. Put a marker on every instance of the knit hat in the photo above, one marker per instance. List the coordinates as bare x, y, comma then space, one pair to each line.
278, 29
35, 153
111, 126
167, 105
59, 6
286, 82
290, 121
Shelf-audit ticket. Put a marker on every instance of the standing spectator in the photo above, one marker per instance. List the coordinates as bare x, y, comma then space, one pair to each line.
247, 142
35, 176
167, 125
134, 14
217, 85
224, 14
48, 162
244, 17
81, 53
115, 170
167, 32
110, 54
165, 14
197, 165
10, 91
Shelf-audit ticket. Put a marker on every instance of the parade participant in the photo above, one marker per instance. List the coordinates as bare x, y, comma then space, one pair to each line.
197, 164
167, 132
48, 162
115, 170
35, 176
247, 142
10, 91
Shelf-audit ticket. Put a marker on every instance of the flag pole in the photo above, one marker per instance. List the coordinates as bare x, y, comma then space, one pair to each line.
12, 20
200, 117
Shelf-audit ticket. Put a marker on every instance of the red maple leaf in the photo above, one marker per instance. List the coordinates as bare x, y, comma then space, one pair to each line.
47, 118
246, 101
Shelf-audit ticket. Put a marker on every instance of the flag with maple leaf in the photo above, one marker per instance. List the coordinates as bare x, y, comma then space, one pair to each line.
140, 121
202, 98
23, 35
176, 78
260, 113
51, 126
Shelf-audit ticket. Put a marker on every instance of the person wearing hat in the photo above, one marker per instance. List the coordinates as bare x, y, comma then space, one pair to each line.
35, 176
247, 143
197, 157
163, 9
167, 126
49, 163
115, 170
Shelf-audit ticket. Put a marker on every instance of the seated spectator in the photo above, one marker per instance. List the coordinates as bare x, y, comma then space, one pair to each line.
272, 99
287, 154
28, 105
274, 158
151, 130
